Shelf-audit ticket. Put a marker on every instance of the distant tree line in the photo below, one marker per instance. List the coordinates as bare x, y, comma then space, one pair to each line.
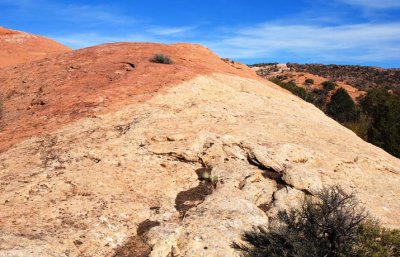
361, 77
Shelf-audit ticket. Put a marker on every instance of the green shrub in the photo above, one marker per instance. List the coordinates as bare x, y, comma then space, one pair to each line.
311, 97
360, 126
341, 107
328, 85
291, 86
384, 110
161, 58
375, 241
309, 81
326, 226
332, 225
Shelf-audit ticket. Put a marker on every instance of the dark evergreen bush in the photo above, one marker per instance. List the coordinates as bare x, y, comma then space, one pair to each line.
292, 87
309, 81
328, 85
341, 107
384, 110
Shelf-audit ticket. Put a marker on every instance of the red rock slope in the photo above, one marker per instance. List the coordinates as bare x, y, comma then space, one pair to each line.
19, 47
44, 95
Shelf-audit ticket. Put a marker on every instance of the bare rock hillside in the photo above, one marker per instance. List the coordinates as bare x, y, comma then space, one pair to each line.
102, 154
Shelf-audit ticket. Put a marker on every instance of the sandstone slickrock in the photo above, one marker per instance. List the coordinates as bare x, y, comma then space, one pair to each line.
87, 182
19, 47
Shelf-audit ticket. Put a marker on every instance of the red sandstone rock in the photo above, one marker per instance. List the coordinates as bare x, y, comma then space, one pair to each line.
19, 47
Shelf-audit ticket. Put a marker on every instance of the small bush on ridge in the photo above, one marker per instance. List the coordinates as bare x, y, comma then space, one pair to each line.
161, 58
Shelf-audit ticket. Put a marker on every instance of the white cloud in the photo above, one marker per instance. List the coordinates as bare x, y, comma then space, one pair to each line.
273, 41
358, 42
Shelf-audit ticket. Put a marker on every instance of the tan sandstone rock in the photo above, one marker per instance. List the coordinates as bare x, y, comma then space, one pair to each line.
126, 178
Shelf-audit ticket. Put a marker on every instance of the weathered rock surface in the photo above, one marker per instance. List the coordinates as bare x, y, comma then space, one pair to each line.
19, 47
113, 182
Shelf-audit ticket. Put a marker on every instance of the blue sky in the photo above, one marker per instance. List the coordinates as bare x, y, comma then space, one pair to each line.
365, 32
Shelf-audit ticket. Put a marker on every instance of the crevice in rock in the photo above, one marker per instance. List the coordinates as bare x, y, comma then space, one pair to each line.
133, 247
132, 65
145, 226
124, 128
136, 246
177, 157
253, 161
277, 177
270, 173
185, 200
92, 158
265, 207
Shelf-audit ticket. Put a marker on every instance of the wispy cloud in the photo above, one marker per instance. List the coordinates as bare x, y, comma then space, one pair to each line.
274, 41
357, 42
375, 4
171, 31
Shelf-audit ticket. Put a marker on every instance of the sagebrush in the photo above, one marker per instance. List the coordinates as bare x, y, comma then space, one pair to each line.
161, 58
331, 225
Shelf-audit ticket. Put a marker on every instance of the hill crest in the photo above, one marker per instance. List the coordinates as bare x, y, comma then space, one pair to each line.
19, 47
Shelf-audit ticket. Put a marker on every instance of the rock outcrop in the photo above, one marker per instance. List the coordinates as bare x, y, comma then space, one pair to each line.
103, 154
19, 47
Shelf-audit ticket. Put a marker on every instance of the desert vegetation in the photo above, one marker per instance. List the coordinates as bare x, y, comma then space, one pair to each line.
375, 118
341, 107
382, 109
328, 85
315, 97
361, 77
331, 224
309, 81
161, 58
